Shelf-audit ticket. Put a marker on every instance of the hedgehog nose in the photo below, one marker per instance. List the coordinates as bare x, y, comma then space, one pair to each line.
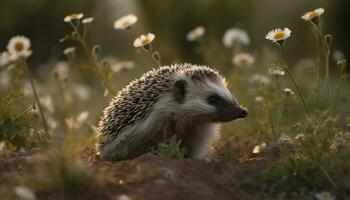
242, 113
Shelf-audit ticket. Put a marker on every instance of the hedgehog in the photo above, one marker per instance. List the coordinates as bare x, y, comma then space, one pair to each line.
183, 100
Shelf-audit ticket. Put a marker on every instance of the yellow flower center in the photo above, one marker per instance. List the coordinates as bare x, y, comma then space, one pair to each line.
74, 16
243, 61
125, 22
312, 14
278, 35
19, 46
144, 40
197, 33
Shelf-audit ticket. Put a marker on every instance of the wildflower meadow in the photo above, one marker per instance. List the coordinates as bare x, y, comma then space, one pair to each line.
62, 63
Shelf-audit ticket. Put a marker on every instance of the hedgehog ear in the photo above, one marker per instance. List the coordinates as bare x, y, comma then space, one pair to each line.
180, 90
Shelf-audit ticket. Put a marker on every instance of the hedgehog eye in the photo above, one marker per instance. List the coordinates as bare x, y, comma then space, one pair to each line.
180, 90
213, 100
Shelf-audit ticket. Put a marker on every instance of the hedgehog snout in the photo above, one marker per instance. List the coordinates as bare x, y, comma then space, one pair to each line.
230, 112
242, 113
238, 112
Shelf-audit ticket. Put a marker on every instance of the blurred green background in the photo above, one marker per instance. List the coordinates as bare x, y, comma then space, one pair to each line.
74, 102
42, 22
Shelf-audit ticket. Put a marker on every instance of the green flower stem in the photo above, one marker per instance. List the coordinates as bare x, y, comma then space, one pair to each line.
271, 120
299, 92
326, 48
318, 30
149, 50
31, 127
293, 80
318, 71
341, 83
337, 90
327, 175
328, 81
36, 98
96, 67
156, 59
32, 107
318, 36
92, 58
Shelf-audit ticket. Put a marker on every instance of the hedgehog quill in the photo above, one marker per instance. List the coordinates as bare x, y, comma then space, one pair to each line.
185, 100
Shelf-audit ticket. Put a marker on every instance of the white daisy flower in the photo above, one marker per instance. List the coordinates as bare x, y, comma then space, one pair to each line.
87, 20
5, 58
312, 14
276, 70
24, 193
46, 102
72, 17
259, 99
82, 117
122, 66
125, 22
71, 124
19, 47
278, 35
144, 40
243, 60
106, 93
285, 139
61, 71
22, 150
337, 55
2, 146
53, 124
78, 122
124, 197
234, 36
299, 136
260, 79
69, 50
195, 34
288, 92
324, 196
259, 148
305, 64
82, 92
27, 88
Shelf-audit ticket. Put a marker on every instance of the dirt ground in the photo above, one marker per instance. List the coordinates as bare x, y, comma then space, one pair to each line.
152, 177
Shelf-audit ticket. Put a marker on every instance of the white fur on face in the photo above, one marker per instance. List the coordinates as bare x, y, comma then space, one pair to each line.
196, 104
220, 89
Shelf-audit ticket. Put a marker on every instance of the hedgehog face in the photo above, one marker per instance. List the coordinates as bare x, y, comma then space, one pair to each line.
209, 100
225, 110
